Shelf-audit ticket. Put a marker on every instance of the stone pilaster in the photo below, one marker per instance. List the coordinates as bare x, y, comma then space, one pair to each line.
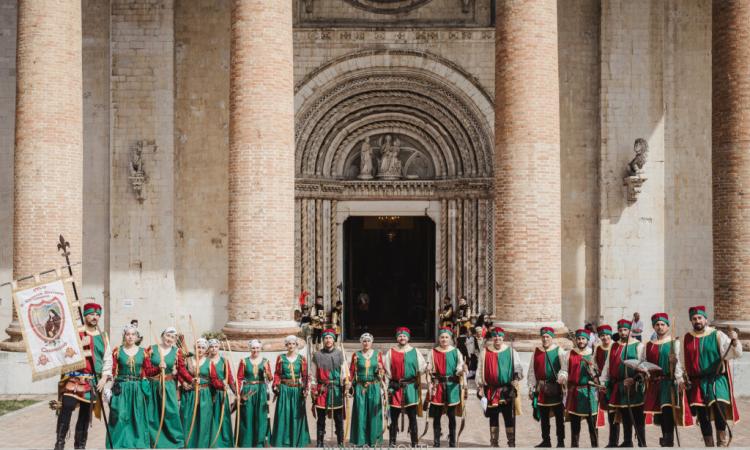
261, 173
731, 163
48, 167
527, 229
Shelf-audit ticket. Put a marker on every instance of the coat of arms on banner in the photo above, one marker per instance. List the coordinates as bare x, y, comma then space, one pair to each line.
49, 330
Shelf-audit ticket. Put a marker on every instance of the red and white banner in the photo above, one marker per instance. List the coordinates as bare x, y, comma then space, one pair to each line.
48, 322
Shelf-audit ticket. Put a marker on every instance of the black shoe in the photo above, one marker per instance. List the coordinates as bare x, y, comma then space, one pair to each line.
573, 441
391, 442
544, 444
321, 439
561, 443
626, 444
80, 439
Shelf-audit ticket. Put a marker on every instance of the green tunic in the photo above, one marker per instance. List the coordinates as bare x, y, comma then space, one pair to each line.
290, 419
128, 424
254, 423
201, 426
171, 434
367, 407
221, 424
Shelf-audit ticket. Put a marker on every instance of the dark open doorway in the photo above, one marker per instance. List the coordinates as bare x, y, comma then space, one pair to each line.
391, 261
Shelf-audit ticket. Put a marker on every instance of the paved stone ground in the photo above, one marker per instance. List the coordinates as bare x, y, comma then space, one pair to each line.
33, 427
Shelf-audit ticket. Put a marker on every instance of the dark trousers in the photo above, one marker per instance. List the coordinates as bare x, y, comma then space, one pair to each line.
704, 418
82, 424
338, 423
411, 413
558, 411
666, 421
508, 418
436, 412
640, 425
317, 336
575, 428
614, 429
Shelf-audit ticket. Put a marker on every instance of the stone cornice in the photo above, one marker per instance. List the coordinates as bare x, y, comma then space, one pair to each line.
393, 190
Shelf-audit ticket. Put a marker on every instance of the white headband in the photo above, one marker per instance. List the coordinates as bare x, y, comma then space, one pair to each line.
255, 343
213, 342
169, 330
129, 327
290, 338
201, 342
366, 337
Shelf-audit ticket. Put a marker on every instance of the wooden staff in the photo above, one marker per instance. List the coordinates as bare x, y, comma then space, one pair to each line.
163, 383
196, 380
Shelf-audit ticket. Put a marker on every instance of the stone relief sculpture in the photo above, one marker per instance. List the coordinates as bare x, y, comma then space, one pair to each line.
635, 177
365, 160
390, 165
137, 175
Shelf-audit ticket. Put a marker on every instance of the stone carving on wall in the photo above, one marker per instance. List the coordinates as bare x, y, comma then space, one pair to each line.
137, 174
387, 156
635, 177
365, 160
390, 165
388, 6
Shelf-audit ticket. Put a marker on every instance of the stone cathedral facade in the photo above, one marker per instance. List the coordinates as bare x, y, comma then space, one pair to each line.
213, 159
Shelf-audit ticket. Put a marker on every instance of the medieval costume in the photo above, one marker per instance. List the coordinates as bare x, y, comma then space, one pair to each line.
253, 374
625, 386
662, 397
328, 386
463, 316
498, 372
578, 373
445, 367
77, 388
222, 381
164, 426
366, 372
337, 315
317, 320
601, 353
404, 366
196, 404
446, 314
544, 390
290, 389
128, 420
710, 393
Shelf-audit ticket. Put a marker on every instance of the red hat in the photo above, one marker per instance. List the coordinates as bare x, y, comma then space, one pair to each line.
403, 330
624, 323
92, 308
547, 330
329, 332
604, 329
582, 332
445, 330
698, 310
497, 331
663, 317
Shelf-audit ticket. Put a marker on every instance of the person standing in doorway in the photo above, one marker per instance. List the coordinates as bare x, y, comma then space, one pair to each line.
637, 330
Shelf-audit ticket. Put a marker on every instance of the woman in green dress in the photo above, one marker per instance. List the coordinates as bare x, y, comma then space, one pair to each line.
366, 372
165, 426
290, 386
221, 382
252, 375
128, 424
196, 405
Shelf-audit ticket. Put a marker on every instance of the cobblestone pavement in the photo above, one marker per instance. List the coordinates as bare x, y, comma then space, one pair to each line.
33, 427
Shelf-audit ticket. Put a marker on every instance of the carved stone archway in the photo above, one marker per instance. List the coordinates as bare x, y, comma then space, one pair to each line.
423, 118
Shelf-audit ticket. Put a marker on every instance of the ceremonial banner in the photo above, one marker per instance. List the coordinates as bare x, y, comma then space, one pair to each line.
47, 319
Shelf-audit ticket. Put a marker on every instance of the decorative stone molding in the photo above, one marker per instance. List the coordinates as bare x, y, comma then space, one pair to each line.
137, 175
388, 6
393, 190
633, 184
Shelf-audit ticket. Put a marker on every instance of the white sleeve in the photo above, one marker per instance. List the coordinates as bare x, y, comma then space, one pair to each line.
604, 376
641, 352
313, 369
423, 366
725, 342
459, 363
387, 363
107, 362
562, 374
678, 373
479, 377
517, 364
531, 377
344, 369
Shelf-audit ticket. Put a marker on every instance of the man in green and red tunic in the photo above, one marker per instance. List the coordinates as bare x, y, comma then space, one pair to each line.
498, 373
625, 385
404, 366
76, 388
329, 385
711, 393
578, 371
445, 367
601, 353
544, 390
662, 392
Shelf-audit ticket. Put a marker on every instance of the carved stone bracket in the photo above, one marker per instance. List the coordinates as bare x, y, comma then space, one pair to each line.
633, 184
137, 175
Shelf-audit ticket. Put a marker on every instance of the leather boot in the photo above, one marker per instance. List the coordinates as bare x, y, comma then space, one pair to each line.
709, 440
436, 432
544, 444
451, 437
80, 439
614, 436
721, 439
510, 433
560, 443
321, 438
574, 440
494, 436
414, 432
595, 438
392, 431
62, 431
667, 440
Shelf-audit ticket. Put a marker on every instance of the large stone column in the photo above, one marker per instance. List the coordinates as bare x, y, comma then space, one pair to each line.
48, 169
731, 163
527, 167
261, 172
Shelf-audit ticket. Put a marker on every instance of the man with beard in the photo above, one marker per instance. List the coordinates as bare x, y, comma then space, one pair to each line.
498, 373
661, 398
601, 353
710, 394
76, 388
544, 390
625, 385
329, 385
578, 372
404, 366
445, 367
